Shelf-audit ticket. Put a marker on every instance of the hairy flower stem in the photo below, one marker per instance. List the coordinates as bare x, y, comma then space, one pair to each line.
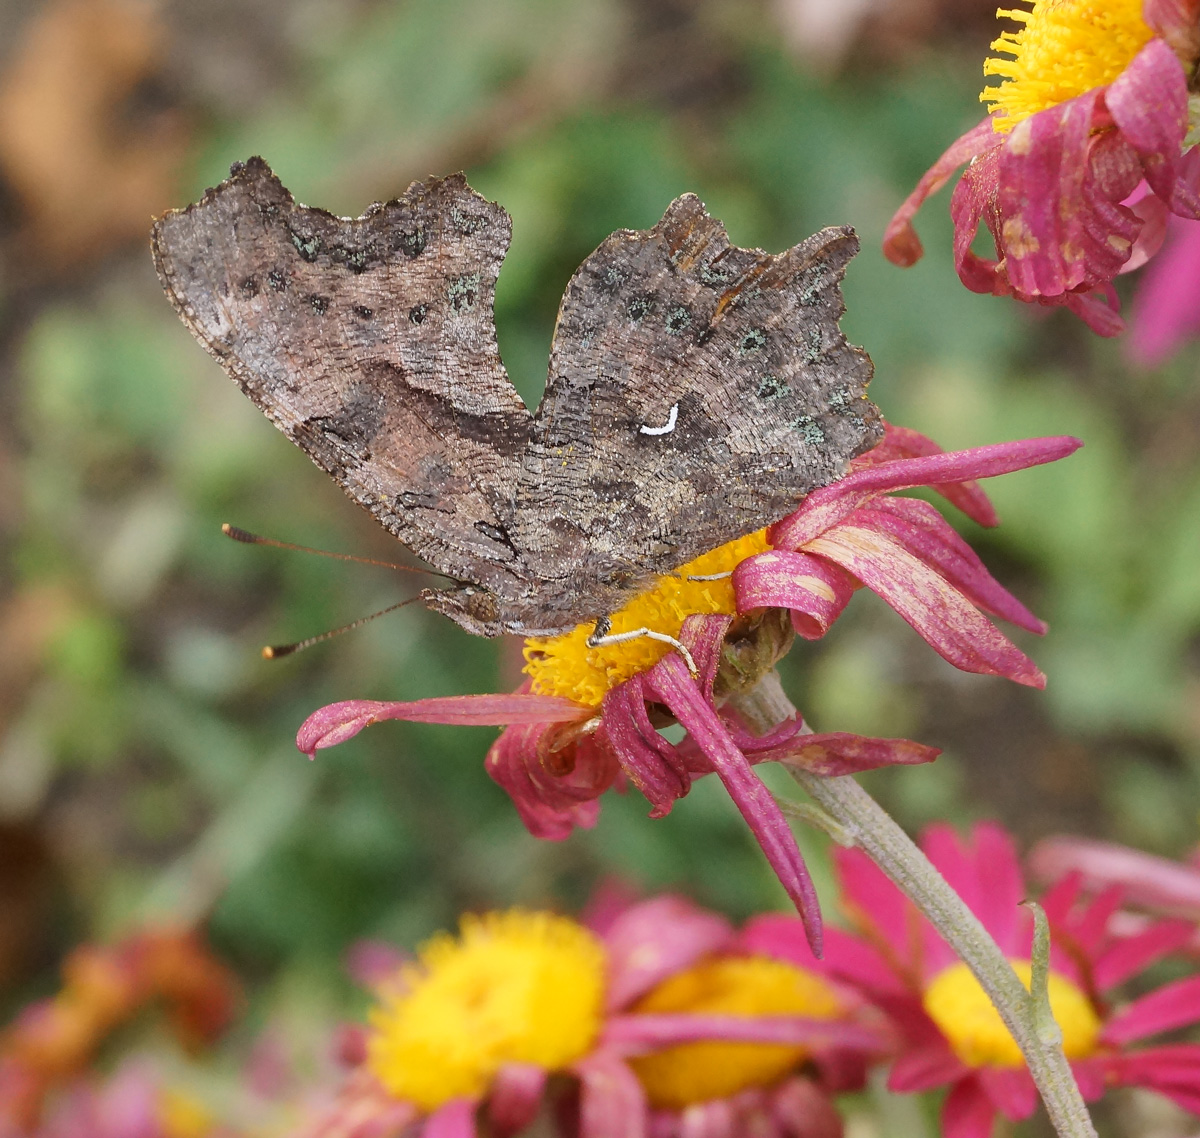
874, 831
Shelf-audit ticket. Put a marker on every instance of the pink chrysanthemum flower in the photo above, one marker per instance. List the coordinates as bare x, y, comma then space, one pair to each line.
649, 1021
1094, 100
587, 719
954, 1037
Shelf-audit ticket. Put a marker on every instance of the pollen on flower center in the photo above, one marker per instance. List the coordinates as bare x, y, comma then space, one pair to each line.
566, 666
974, 1029
518, 986
741, 986
1066, 47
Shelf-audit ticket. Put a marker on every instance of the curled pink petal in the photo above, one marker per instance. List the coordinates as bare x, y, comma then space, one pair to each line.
670, 680
904, 442
815, 591
1178, 22
929, 537
1100, 310
648, 759
832, 504
1156, 219
1166, 1008
612, 1103
515, 1098
835, 753
338, 722
1148, 102
636, 1034
901, 245
655, 939
940, 614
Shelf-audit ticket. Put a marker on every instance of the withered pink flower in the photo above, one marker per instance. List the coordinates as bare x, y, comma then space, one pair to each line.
651, 1020
594, 722
954, 1037
1093, 103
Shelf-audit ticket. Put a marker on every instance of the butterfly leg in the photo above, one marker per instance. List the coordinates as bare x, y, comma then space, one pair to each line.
601, 637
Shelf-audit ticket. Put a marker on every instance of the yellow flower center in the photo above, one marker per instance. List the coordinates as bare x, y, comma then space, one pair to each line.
566, 666
968, 1019
518, 986
739, 986
1064, 48
180, 1115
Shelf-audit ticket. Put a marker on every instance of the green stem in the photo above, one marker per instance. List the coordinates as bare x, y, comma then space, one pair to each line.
878, 835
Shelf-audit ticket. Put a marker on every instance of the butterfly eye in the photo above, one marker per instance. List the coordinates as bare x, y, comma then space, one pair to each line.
678, 320
753, 341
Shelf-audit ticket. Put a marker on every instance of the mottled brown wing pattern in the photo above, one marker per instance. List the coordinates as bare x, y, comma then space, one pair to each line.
697, 391
371, 344
709, 380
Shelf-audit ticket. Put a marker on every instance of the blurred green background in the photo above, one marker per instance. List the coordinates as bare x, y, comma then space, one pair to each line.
146, 757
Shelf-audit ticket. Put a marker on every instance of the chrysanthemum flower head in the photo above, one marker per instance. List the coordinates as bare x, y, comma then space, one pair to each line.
1086, 153
954, 1036
657, 1013
589, 716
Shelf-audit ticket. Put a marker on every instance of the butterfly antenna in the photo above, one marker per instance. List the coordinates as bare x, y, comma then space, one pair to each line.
248, 538
274, 652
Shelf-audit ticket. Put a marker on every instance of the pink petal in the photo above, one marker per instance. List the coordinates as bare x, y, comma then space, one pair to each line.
1002, 887
656, 938
1170, 1065
670, 680
649, 760
864, 968
1088, 929
636, 1034
779, 936
515, 1098
925, 1068
835, 753
967, 1112
1090, 1078
974, 200
941, 615
870, 896
1178, 22
804, 1110
814, 590
901, 245
1148, 881
1171, 1006
1135, 954
1100, 310
1166, 306
549, 811
929, 537
1156, 219
612, 1103
1148, 102
341, 721
830, 505
455, 1119
904, 442
1011, 1091
1042, 214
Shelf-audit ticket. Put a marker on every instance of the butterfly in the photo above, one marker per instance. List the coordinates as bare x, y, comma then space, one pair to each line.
696, 391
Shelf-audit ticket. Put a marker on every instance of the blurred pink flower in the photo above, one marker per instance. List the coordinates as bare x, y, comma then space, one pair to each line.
1166, 305
654, 947
953, 1037
1056, 185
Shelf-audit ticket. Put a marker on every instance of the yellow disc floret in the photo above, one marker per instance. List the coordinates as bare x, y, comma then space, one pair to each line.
739, 986
1064, 48
974, 1029
523, 987
566, 666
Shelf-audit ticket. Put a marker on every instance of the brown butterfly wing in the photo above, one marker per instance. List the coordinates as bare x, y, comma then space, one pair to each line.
371, 344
